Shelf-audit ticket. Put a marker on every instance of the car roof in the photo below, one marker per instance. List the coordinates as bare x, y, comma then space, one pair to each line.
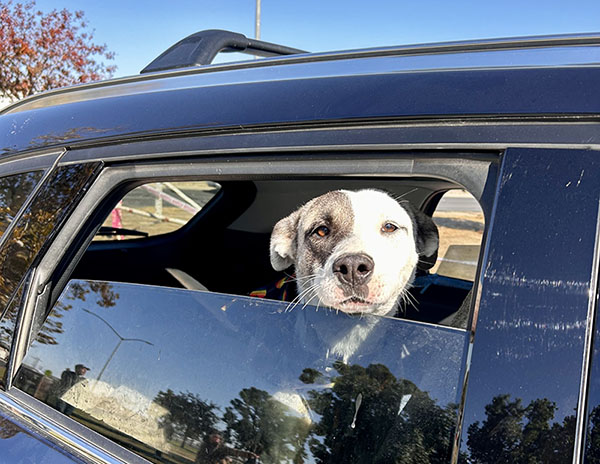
541, 76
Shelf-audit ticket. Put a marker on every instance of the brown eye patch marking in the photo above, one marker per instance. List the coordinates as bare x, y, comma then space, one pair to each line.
328, 219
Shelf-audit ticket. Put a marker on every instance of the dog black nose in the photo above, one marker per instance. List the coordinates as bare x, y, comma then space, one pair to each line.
354, 269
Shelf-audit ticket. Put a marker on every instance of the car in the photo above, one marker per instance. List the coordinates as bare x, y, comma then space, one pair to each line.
135, 218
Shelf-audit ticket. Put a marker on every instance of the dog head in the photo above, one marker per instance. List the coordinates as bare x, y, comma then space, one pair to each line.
354, 251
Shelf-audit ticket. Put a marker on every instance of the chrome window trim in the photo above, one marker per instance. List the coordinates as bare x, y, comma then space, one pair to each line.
23, 327
38, 160
77, 439
472, 323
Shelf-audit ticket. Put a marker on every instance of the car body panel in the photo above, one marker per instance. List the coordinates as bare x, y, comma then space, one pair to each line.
535, 292
464, 94
20, 446
541, 53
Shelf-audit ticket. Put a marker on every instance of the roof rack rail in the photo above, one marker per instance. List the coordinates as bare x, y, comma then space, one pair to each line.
202, 47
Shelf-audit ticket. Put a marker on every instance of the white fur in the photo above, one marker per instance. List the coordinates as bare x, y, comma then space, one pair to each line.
394, 254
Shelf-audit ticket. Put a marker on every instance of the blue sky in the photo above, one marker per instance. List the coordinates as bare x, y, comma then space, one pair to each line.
138, 31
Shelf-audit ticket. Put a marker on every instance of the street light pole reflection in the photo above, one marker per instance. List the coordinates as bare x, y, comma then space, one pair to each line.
121, 340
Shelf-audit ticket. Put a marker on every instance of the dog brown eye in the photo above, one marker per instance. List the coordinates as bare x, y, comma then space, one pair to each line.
321, 231
388, 227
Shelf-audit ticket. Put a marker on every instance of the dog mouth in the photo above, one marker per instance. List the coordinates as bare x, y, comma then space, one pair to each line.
355, 300
355, 304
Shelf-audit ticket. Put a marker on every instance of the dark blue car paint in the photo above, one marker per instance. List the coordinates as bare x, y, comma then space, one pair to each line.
392, 96
535, 293
19, 446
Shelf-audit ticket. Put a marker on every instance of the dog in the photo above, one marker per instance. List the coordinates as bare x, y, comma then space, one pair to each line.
354, 251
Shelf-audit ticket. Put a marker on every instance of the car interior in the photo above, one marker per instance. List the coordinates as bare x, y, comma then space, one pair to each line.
224, 248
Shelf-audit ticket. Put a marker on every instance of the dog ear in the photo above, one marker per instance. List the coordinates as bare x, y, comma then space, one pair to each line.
284, 242
427, 239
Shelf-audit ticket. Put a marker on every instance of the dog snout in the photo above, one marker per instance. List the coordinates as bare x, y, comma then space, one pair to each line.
354, 269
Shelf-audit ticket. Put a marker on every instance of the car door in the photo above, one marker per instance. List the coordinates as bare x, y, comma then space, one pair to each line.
145, 350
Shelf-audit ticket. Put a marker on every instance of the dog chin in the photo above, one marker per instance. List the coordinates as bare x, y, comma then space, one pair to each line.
328, 294
357, 305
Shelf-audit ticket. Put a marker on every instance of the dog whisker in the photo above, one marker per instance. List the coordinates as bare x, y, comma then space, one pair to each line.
311, 298
292, 304
407, 299
411, 298
300, 296
399, 197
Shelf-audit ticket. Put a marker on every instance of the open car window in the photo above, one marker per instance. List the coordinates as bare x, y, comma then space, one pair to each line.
460, 222
156, 208
168, 372
226, 250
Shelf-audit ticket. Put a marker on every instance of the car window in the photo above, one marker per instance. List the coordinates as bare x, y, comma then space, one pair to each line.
14, 190
460, 223
35, 224
156, 208
7, 331
235, 259
184, 376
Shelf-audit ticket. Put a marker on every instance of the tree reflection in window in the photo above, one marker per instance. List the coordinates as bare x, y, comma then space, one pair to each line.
39, 220
189, 416
250, 380
257, 422
14, 190
418, 430
516, 433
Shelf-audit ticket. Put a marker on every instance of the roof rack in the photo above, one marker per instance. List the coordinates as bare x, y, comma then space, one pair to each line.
201, 48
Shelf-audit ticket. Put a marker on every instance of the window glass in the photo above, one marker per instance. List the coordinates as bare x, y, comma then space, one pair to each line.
38, 221
33, 228
187, 376
8, 322
14, 190
157, 208
460, 223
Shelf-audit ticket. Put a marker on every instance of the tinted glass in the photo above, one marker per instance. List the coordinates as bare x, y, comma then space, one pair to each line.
188, 376
14, 190
8, 322
157, 208
38, 221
